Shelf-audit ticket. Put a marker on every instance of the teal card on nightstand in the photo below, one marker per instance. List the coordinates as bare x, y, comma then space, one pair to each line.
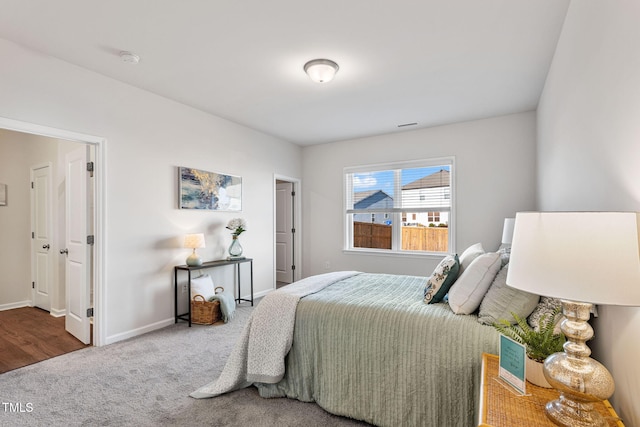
512, 363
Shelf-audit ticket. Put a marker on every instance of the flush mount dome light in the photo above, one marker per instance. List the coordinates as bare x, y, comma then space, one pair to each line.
129, 57
321, 70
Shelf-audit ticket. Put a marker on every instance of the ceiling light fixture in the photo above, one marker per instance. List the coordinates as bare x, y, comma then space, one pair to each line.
129, 57
321, 70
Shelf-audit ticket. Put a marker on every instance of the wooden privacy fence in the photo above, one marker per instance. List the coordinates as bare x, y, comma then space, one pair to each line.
378, 236
430, 239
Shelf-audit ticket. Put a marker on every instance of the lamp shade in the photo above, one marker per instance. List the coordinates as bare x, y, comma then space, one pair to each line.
194, 241
507, 230
591, 257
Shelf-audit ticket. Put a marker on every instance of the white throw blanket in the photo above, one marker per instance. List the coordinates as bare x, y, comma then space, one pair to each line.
259, 354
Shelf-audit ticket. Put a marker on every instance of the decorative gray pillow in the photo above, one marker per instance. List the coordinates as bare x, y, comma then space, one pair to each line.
441, 279
546, 307
502, 300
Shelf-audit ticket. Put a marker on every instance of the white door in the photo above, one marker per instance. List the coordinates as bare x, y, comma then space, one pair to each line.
41, 229
284, 232
77, 251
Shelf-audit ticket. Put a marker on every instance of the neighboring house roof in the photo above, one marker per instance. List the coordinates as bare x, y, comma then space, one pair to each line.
435, 180
364, 199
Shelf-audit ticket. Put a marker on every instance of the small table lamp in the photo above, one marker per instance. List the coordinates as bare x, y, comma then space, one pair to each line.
507, 231
194, 241
592, 257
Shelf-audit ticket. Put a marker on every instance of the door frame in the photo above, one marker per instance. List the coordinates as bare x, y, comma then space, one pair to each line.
297, 224
52, 231
100, 208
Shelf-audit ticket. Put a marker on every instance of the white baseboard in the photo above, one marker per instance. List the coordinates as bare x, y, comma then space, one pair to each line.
57, 312
13, 305
259, 294
135, 332
162, 324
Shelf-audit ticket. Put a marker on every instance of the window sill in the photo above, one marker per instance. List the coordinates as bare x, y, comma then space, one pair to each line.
401, 254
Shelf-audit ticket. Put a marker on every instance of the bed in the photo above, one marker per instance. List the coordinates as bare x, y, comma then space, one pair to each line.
364, 346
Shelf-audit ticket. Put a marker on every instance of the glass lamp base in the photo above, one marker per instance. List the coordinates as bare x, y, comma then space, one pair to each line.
566, 412
194, 260
580, 380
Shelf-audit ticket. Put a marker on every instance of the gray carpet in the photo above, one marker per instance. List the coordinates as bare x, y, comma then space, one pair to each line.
146, 381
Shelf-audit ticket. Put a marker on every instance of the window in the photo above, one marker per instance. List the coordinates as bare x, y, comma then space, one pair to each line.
400, 207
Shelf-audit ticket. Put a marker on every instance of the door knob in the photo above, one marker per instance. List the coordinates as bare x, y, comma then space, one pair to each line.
64, 251
46, 246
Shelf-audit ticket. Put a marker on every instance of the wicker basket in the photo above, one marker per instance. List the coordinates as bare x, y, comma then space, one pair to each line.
205, 312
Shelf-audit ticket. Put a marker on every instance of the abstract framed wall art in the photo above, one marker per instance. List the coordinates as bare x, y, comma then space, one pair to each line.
198, 189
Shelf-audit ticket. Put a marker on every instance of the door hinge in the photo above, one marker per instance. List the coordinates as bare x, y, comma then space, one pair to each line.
293, 193
33, 235
90, 312
33, 285
293, 267
31, 184
293, 230
90, 168
90, 239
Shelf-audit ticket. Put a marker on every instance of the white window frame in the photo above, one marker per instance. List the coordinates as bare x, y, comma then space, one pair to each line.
396, 213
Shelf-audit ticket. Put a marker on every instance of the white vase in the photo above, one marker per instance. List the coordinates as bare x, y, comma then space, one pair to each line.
535, 374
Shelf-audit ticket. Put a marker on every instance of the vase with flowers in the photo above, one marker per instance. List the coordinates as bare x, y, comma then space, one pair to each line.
237, 227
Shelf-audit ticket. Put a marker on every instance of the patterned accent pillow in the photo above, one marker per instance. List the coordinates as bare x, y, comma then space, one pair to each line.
545, 307
505, 253
441, 279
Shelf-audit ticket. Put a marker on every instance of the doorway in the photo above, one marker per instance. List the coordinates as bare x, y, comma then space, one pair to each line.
94, 212
287, 252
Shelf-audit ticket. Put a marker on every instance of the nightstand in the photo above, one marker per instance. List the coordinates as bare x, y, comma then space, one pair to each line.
502, 407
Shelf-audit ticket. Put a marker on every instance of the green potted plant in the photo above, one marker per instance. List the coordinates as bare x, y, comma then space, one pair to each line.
539, 343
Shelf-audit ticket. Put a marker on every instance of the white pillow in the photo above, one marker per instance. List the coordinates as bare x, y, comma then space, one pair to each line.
202, 285
467, 292
469, 254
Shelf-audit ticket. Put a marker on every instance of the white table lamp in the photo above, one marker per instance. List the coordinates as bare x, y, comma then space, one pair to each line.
591, 257
507, 231
194, 241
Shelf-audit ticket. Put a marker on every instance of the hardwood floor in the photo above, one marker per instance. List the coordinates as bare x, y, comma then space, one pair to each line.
29, 335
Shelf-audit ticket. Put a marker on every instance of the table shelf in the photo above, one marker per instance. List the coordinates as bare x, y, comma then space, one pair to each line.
207, 265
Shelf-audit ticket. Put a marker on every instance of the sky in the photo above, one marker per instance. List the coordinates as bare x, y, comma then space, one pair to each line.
383, 180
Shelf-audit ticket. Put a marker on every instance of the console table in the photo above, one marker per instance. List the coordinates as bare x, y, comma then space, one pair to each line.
206, 265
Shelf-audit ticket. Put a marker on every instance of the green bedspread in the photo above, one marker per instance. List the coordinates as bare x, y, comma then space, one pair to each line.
367, 347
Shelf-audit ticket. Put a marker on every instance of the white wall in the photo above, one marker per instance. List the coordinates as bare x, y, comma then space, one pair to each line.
147, 138
589, 154
495, 177
15, 224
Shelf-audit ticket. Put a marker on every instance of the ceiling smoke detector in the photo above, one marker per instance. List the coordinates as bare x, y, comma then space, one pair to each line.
129, 57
